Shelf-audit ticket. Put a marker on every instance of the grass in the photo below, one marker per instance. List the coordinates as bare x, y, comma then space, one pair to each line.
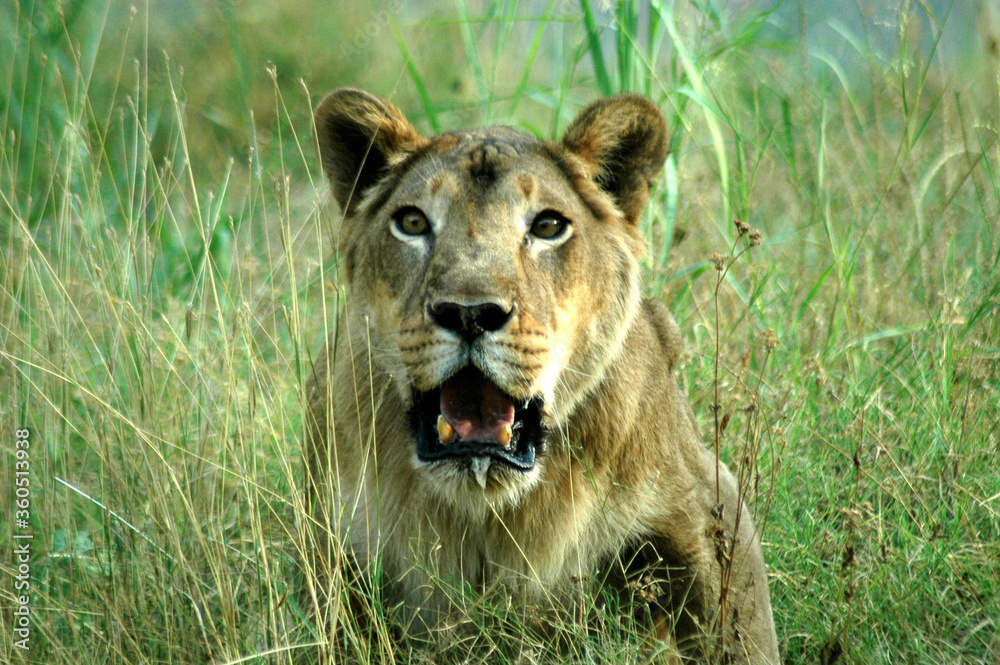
167, 274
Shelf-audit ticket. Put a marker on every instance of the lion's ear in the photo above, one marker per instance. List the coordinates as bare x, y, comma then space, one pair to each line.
623, 141
360, 136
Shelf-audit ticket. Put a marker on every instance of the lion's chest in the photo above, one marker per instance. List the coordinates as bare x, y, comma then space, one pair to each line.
551, 542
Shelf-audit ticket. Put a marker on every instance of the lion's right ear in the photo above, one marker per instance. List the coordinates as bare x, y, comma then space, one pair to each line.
360, 137
623, 141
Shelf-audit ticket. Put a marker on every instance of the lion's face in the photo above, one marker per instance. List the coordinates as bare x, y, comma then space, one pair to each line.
493, 275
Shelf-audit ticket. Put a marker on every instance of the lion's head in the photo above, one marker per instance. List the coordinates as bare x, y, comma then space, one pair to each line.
493, 275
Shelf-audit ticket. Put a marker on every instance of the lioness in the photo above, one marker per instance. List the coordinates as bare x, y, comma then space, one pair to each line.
500, 410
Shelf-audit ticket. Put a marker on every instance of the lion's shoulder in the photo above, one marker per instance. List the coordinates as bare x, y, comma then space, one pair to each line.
666, 330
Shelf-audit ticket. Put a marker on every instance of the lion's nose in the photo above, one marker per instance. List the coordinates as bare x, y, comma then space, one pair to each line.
470, 321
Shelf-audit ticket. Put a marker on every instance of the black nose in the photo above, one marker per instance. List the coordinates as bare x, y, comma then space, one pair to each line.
470, 321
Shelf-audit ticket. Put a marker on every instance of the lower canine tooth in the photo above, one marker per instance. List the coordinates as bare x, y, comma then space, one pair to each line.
505, 435
480, 468
445, 431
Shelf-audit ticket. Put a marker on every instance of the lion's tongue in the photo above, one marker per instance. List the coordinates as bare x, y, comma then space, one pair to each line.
475, 406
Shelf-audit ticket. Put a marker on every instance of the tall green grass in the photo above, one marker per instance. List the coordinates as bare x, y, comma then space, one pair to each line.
167, 273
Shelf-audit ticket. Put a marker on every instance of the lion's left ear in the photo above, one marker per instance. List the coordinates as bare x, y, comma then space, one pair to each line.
360, 137
623, 141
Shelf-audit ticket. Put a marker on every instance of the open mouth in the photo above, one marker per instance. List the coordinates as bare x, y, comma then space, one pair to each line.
470, 418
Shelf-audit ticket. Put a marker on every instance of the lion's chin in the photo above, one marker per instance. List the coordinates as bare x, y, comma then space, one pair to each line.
470, 432
457, 487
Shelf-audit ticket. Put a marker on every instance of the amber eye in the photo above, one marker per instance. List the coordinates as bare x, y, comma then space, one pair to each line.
411, 222
549, 225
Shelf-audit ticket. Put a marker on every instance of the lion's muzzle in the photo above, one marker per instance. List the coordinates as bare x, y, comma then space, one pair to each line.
470, 420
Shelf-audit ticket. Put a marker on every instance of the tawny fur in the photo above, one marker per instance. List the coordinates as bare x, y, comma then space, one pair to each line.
624, 488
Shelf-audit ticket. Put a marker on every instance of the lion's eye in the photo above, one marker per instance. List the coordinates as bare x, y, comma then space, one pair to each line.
549, 225
411, 222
